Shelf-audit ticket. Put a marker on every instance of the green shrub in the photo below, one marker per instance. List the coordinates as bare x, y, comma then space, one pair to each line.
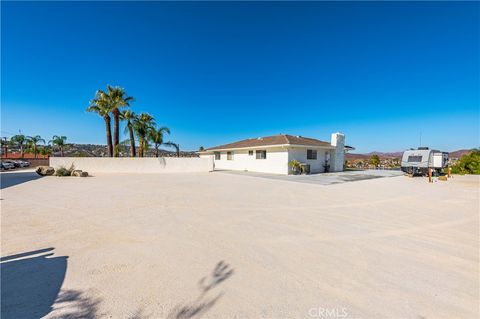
62, 171
468, 163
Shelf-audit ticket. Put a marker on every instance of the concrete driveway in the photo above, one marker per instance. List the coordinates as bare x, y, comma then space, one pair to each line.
218, 245
323, 178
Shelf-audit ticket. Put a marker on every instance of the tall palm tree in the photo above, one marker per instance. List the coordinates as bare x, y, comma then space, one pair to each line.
33, 141
101, 105
59, 141
19, 140
142, 125
156, 137
118, 98
129, 116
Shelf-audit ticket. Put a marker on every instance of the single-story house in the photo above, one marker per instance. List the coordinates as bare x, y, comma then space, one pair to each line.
272, 154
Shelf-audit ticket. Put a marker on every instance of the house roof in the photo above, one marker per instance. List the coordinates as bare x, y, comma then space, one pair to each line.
280, 139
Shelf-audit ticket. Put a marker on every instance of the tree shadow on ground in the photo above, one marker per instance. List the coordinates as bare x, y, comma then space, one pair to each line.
31, 283
30, 288
12, 179
200, 305
73, 304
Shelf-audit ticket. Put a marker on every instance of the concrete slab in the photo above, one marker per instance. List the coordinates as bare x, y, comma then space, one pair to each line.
232, 246
323, 178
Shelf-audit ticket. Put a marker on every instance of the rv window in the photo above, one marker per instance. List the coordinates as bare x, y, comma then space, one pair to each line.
311, 154
217, 156
415, 158
261, 154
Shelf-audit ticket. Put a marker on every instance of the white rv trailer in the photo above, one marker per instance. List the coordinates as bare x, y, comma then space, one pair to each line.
420, 160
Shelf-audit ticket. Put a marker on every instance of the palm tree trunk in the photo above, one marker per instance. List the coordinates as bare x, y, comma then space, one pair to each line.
116, 134
108, 132
21, 150
61, 150
132, 140
140, 153
35, 151
156, 150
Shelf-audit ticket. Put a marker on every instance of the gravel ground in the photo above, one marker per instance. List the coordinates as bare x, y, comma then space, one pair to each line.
221, 245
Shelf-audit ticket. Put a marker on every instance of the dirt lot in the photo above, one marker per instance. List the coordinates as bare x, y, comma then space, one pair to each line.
221, 245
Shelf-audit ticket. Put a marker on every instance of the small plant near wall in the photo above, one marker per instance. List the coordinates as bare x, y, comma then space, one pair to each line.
62, 171
296, 167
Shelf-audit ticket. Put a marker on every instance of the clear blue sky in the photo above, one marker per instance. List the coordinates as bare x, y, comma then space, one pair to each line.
216, 72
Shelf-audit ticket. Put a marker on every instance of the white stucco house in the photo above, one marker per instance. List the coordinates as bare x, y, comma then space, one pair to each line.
272, 154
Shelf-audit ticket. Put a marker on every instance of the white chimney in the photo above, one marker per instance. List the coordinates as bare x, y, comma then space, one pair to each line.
338, 155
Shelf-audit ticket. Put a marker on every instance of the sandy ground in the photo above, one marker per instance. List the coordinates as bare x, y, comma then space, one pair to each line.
216, 245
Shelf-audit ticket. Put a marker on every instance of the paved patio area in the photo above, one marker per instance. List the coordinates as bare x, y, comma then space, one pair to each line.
218, 245
324, 178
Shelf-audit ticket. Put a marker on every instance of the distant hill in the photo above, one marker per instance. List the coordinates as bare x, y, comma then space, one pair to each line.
353, 156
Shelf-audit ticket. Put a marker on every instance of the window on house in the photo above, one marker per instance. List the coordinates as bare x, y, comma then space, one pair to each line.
217, 156
229, 156
312, 154
250, 153
261, 154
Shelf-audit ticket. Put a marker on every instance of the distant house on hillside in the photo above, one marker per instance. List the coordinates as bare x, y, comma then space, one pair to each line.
272, 154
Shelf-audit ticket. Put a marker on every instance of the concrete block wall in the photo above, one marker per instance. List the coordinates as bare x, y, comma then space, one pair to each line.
143, 165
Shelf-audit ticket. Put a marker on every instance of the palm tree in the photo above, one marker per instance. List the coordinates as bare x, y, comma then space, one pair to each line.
33, 141
101, 105
176, 146
19, 140
130, 117
142, 125
59, 141
117, 98
156, 136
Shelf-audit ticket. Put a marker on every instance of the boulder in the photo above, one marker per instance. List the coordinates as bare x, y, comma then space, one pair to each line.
442, 178
76, 172
45, 170
84, 174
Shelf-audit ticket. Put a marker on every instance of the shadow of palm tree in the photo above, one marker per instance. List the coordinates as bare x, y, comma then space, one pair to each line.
31, 282
73, 304
203, 303
30, 288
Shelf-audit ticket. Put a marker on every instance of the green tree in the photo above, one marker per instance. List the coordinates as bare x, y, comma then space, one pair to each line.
60, 142
468, 163
102, 106
33, 141
201, 149
375, 160
130, 117
156, 137
117, 98
19, 141
142, 125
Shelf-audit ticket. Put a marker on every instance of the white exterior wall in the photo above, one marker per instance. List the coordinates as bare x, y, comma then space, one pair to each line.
134, 164
275, 163
300, 154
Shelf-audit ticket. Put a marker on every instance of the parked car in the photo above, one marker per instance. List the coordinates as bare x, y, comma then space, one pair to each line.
7, 165
22, 163
12, 162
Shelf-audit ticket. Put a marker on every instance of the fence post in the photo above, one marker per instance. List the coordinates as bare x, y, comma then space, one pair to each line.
430, 175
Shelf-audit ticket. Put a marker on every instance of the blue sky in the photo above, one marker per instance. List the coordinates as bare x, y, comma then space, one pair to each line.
216, 72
